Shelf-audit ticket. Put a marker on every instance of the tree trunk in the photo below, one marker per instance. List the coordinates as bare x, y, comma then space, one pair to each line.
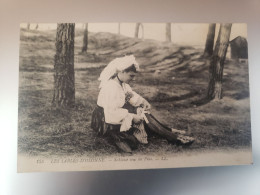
85, 39
210, 40
37, 26
64, 84
168, 32
142, 26
217, 62
137, 29
119, 28
28, 26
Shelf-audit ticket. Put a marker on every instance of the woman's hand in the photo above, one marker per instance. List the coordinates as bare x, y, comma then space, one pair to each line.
146, 105
137, 119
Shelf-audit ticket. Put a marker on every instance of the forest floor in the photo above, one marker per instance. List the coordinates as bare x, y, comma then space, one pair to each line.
173, 79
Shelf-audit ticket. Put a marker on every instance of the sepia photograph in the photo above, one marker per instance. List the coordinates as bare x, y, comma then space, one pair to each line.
117, 96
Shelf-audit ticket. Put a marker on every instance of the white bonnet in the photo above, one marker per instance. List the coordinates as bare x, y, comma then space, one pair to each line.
115, 66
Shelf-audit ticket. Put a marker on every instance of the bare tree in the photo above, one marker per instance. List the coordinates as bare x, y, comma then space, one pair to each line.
217, 62
210, 40
85, 39
64, 84
168, 32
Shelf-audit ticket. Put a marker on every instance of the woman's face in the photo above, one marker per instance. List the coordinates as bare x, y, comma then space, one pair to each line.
127, 77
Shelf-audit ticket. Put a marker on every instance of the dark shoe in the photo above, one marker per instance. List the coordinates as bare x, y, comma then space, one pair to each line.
123, 147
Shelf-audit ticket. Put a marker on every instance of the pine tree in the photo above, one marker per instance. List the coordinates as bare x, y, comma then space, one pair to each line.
210, 40
85, 39
64, 84
217, 62
168, 32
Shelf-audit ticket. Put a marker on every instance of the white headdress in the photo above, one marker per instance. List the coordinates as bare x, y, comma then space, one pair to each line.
115, 66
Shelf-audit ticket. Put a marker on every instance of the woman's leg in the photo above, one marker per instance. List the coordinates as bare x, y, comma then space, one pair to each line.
156, 127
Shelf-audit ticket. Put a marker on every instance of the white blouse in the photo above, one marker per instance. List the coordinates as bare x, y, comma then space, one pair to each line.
112, 98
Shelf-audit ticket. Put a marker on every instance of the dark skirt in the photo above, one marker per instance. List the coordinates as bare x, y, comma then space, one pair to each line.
125, 141
98, 121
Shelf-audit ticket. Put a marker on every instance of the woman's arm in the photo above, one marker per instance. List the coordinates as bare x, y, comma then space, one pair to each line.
136, 100
112, 99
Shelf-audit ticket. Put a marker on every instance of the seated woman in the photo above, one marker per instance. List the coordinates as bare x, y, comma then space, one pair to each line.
114, 115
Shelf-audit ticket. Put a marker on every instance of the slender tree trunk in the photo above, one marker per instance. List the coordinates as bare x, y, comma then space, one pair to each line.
85, 39
137, 29
210, 40
37, 26
168, 32
217, 62
64, 84
142, 26
28, 26
119, 28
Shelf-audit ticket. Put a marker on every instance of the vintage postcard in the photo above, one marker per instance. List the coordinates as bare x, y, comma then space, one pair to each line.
113, 96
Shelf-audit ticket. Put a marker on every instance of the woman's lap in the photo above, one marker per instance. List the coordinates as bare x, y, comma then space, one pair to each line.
112, 132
